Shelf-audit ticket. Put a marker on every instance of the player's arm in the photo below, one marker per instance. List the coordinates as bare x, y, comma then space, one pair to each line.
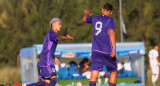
113, 41
65, 37
86, 69
56, 60
158, 60
149, 64
86, 15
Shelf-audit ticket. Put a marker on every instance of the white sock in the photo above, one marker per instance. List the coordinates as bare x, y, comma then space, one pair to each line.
99, 81
106, 80
154, 78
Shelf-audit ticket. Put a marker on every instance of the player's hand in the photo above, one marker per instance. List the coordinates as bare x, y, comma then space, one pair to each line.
69, 37
113, 54
87, 13
57, 61
149, 66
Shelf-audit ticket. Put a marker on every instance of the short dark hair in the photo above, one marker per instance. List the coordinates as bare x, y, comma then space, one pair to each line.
154, 45
108, 6
85, 60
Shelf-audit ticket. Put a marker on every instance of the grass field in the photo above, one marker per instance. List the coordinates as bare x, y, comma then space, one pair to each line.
85, 81
10, 75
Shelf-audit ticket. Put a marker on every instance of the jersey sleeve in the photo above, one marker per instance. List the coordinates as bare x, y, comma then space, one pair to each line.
89, 20
111, 25
53, 37
149, 55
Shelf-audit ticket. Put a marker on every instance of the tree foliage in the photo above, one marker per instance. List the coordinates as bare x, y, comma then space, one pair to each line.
26, 22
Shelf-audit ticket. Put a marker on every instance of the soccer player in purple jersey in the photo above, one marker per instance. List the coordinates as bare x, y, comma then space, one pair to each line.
48, 72
103, 45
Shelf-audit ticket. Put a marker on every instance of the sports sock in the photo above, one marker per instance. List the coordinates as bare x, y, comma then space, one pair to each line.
53, 82
110, 84
38, 84
92, 83
99, 81
154, 78
106, 80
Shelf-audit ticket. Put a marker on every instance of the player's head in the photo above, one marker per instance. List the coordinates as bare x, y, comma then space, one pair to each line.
55, 24
156, 47
85, 61
107, 9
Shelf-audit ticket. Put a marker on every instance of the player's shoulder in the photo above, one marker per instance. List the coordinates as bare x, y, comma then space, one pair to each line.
111, 18
51, 32
103, 16
153, 51
96, 16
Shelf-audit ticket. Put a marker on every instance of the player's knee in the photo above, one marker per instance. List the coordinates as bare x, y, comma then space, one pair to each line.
114, 73
47, 81
94, 75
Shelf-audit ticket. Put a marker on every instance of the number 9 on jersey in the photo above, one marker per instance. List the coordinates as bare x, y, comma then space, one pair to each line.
98, 28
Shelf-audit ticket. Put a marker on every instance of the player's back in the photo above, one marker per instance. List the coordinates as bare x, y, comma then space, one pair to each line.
153, 54
101, 40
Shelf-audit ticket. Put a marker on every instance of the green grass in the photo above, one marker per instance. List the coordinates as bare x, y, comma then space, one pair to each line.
86, 82
149, 78
10, 75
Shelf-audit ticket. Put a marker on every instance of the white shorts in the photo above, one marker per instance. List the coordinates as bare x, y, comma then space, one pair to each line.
155, 69
101, 73
87, 74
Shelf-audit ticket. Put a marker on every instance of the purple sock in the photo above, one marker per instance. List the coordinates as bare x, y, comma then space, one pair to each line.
92, 83
110, 84
53, 82
40, 83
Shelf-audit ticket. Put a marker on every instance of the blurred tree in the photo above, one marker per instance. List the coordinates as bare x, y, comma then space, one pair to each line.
24, 23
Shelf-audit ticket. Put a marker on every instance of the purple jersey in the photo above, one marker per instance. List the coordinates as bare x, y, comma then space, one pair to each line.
49, 47
101, 39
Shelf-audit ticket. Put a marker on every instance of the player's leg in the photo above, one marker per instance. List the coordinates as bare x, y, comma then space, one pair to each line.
111, 65
103, 73
53, 81
48, 75
113, 78
155, 74
99, 78
153, 79
96, 65
106, 77
94, 75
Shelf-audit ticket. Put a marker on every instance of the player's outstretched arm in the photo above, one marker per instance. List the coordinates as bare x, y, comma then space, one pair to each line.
113, 41
86, 14
60, 38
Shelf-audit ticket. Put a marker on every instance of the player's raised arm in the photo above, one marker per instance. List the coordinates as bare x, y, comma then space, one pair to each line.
86, 15
65, 37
